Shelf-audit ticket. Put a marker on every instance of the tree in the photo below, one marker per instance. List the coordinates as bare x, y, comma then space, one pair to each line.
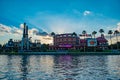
44, 47
110, 32
101, 31
74, 34
84, 33
94, 33
52, 34
0, 48
116, 32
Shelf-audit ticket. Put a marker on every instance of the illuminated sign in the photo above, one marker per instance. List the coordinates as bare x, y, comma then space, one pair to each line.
67, 46
91, 42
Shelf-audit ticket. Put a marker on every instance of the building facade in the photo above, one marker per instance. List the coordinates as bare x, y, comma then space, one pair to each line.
72, 41
65, 41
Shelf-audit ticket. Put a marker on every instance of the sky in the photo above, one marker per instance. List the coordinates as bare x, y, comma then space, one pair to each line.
59, 16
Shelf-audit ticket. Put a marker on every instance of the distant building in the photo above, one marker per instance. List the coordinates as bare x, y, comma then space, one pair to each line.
23, 45
35, 46
12, 45
27, 44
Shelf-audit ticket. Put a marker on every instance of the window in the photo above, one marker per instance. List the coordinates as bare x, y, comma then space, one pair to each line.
60, 35
73, 35
65, 39
74, 39
57, 40
64, 35
69, 39
69, 35
61, 39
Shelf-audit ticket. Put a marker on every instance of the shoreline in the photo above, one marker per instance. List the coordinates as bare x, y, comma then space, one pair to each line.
60, 53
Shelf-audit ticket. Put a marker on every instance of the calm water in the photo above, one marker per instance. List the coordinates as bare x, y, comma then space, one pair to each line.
64, 67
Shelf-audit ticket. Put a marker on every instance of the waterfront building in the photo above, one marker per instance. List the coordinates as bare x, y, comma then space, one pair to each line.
102, 42
70, 41
9, 46
65, 41
12, 45
35, 46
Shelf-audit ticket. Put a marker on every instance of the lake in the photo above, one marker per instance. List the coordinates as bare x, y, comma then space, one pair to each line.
59, 67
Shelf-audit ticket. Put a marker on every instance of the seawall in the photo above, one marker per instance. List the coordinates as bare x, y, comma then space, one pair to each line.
60, 53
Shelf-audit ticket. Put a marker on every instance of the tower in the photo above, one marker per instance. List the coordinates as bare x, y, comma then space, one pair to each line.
25, 40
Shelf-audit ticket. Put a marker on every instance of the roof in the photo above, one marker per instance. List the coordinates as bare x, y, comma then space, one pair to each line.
101, 39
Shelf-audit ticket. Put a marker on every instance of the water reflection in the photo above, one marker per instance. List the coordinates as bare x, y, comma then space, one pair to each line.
24, 67
64, 67
114, 65
11, 68
81, 67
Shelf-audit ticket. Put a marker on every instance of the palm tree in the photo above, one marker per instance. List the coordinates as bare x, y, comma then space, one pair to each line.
116, 32
94, 33
74, 34
110, 32
101, 31
0, 48
84, 32
52, 34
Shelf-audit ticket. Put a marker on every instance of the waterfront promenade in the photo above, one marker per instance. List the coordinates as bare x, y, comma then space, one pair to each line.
61, 53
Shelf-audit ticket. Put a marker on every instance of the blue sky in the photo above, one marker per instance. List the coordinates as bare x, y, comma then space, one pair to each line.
61, 16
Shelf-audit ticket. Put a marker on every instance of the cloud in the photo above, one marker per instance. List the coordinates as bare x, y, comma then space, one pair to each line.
58, 23
42, 33
33, 31
65, 23
118, 26
113, 37
21, 26
7, 32
85, 13
37, 32
4, 28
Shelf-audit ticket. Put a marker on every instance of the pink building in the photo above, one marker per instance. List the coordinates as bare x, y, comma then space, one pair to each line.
72, 41
102, 42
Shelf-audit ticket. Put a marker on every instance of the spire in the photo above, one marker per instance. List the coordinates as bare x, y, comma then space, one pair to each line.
25, 40
24, 30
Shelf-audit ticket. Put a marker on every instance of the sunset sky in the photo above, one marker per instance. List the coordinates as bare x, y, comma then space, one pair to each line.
59, 16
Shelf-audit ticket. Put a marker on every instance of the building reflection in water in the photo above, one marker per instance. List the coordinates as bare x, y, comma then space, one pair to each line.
12, 67
24, 67
41, 66
46, 64
64, 67
80, 67
113, 63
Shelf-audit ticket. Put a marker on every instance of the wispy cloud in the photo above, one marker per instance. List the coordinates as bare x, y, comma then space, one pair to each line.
64, 23
85, 13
